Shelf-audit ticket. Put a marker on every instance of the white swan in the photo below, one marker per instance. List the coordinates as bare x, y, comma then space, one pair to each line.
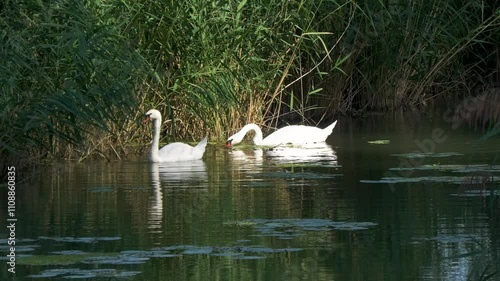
294, 134
173, 152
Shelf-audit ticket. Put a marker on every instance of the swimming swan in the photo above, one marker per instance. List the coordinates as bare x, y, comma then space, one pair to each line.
294, 134
172, 152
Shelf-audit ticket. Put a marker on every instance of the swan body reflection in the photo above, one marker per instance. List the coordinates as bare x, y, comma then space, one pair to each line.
307, 153
304, 153
185, 171
174, 176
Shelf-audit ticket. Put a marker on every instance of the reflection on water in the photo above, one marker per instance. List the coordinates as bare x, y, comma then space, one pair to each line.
312, 153
319, 153
319, 212
172, 177
254, 156
156, 210
181, 173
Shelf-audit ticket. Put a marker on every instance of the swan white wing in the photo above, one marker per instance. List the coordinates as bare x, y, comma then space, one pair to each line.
202, 145
295, 134
178, 151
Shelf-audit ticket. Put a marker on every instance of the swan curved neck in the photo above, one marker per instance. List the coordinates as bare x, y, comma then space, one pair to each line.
153, 153
257, 139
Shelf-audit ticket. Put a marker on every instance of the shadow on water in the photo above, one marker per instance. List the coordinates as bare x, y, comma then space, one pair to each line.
369, 205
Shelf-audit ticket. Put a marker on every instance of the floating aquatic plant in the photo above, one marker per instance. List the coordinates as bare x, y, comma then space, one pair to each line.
60, 259
427, 154
225, 250
99, 189
19, 248
199, 251
293, 175
458, 168
76, 273
80, 239
118, 260
477, 193
379, 142
430, 179
451, 238
308, 164
70, 252
248, 257
254, 183
291, 228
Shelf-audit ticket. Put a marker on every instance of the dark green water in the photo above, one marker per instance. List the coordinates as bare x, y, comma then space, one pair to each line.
351, 210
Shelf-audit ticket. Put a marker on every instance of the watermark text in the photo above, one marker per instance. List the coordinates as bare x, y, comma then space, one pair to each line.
11, 218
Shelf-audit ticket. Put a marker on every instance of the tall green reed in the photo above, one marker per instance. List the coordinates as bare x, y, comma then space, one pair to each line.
404, 53
68, 77
216, 61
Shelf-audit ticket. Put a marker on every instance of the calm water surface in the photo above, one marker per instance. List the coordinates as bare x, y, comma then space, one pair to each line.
348, 210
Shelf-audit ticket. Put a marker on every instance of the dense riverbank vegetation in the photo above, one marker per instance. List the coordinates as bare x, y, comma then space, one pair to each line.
76, 75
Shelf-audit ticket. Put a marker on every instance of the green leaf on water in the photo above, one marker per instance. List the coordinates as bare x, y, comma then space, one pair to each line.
427, 154
477, 193
293, 176
97, 189
428, 179
240, 223
291, 228
456, 168
80, 239
76, 273
199, 251
248, 257
57, 259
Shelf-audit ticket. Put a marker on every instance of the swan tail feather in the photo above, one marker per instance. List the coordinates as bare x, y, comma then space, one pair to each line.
202, 144
329, 129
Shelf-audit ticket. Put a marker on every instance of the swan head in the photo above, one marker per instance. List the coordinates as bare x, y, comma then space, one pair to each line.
238, 137
152, 115
234, 139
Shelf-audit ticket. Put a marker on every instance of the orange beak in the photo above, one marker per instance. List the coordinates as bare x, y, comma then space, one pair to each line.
146, 119
228, 144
